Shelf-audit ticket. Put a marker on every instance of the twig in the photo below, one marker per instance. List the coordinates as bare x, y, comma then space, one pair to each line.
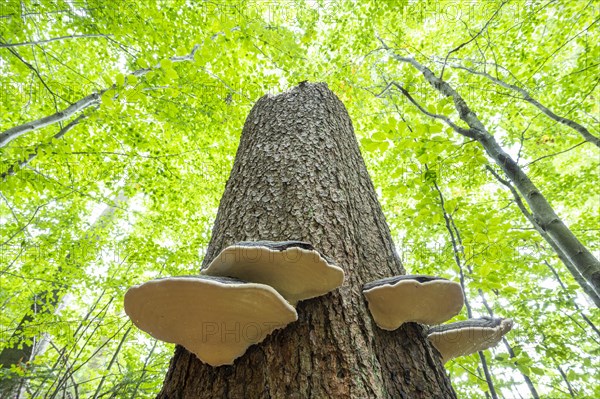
554, 154
472, 38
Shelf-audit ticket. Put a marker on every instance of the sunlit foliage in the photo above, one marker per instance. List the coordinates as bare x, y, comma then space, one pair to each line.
126, 188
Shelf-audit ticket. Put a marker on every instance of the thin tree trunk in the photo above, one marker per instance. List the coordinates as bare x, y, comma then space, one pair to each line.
112, 361
575, 305
456, 250
542, 211
561, 255
142, 376
509, 349
566, 380
62, 358
299, 175
22, 350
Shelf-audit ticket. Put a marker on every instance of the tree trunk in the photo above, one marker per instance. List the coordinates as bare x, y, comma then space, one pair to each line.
22, 349
299, 175
543, 213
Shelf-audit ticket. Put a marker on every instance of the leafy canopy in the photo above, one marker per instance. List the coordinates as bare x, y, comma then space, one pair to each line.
126, 189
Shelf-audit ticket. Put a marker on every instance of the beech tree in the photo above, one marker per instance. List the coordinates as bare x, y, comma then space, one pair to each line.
299, 175
578, 259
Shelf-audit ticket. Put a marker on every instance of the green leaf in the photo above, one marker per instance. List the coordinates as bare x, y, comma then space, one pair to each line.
171, 74
166, 64
537, 370
435, 128
378, 136
484, 270
132, 80
369, 145
384, 145
107, 100
107, 79
133, 95
523, 369
120, 80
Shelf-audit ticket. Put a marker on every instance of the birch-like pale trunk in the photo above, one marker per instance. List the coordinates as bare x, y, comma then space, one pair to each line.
543, 213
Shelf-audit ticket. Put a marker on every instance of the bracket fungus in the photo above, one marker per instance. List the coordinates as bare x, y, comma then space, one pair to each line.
466, 337
294, 268
215, 318
413, 298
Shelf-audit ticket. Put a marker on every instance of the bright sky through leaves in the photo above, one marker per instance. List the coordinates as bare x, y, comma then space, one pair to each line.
167, 86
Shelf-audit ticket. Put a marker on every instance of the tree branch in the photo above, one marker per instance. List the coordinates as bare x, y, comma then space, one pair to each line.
12, 170
554, 154
9, 135
39, 42
17, 131
22, 227
443, 118
31, 67
472, 38
542, 211
582, 130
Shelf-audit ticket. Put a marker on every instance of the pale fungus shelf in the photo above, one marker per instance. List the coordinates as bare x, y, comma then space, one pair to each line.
467, 337
294, 268
413, 298
215, 318
245, 294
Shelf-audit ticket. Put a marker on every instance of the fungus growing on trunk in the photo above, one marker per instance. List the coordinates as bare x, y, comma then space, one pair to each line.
215, 318
470, 336
413, 298
294, 268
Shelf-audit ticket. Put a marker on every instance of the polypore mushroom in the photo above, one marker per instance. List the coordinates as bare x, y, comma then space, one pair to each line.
412, 298
215, 318
294, 268
466, 337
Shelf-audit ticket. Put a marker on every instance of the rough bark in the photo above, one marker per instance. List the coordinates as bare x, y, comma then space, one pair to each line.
299, 175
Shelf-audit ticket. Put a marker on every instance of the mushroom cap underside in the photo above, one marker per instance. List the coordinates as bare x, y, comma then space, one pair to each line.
215, 318
433, 301
295, 272
468, 337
